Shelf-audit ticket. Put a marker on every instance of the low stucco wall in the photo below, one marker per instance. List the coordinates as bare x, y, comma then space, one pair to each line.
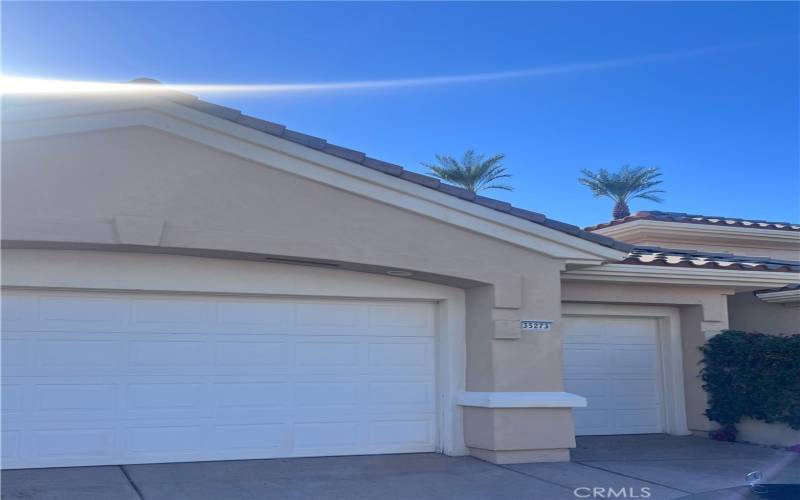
774, 434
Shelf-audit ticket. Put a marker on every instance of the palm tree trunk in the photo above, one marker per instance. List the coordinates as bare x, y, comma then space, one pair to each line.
620, 210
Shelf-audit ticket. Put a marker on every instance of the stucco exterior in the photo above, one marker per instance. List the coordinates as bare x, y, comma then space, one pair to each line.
142, 190
749, 313
147, 195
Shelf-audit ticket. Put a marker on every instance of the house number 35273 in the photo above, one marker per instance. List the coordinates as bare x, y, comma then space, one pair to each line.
536, 326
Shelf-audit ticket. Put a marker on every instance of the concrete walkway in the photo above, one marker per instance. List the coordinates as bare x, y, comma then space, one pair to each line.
669, 467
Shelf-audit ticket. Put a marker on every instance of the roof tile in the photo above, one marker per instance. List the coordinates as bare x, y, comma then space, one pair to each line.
460, 192
346, 153
262, 125
425, 180
527, 214
502, 206
216, 110
385, 167
304, 139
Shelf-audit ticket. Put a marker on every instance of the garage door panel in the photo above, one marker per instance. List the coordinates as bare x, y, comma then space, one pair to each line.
239, 436
14, 351
636, 403
630, 331
159, 352
232, 396
12, 441
408, 356
627, 360
157, 378
254, 314
613, 362
593, 420
93, 444
583, 359
248, 352
401, 432
586, 387
633, 387
74, 398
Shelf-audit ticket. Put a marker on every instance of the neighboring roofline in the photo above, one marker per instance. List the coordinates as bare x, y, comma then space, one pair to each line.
644, 231
650, 274
706, 220
658, 256
788, 295
194, 120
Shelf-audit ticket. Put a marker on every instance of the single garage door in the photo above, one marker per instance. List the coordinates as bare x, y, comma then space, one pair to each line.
113, 378
614, 363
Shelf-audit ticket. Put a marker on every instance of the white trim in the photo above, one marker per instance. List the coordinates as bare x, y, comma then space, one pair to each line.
157, 273
780, 297
642, 230
521, 400
643, 273
26, 122
670, 353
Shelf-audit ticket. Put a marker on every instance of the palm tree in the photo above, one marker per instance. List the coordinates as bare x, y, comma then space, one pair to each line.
624, 185
473, 172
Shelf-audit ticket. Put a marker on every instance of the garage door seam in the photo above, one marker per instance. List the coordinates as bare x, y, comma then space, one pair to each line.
636, 478
133, 485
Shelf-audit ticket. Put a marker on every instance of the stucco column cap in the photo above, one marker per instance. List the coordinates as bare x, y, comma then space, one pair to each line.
521, 400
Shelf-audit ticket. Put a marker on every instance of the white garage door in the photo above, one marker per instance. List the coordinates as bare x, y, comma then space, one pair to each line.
613, 362
103, 378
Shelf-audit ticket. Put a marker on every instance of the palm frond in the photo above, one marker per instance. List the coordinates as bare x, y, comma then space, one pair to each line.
625, 184
474, 172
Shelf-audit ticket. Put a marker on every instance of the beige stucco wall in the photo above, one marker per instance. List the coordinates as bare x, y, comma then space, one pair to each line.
703, 312
137, 189
749, 313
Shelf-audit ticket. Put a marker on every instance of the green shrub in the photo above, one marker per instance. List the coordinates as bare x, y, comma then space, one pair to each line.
752, 375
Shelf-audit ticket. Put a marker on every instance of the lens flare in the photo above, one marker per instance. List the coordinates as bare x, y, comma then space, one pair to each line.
17, 85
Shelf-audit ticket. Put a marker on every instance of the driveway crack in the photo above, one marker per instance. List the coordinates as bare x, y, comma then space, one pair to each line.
636, 478
133, 485
532, 476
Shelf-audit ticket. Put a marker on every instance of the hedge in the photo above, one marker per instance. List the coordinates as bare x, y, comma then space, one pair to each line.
751, 375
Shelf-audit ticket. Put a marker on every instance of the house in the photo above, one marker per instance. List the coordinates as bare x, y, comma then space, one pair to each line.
183, 282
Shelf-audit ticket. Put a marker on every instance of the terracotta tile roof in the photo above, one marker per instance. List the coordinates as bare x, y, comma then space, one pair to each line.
324, 146
657, 256
699, 219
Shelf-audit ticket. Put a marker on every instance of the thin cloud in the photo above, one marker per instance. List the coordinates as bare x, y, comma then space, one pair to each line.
24, 85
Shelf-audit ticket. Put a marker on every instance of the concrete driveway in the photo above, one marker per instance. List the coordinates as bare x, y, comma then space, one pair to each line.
668, 466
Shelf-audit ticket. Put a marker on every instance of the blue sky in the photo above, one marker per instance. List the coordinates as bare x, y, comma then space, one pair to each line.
722, 124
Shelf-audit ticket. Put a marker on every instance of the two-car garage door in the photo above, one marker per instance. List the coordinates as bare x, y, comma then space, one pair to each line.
107, 378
